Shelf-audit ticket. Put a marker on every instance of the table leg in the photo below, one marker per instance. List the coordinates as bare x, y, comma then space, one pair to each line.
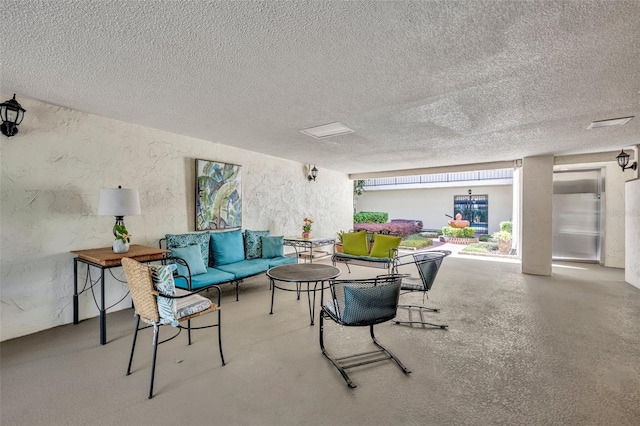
75, 291
312, 306
310, 252
103, 313
273, 292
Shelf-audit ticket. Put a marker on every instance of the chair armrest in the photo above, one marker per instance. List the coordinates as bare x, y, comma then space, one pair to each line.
182, 262
192, 292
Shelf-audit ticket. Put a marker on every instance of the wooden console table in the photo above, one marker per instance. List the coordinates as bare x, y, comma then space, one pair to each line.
104, 258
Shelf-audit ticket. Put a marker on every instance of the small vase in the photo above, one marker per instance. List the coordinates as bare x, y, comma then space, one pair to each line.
120, 246
306, 235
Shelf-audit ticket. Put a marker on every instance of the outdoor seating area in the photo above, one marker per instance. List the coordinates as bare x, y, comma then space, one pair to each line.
275, 371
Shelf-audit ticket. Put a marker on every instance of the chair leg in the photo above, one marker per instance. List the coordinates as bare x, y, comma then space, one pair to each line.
189, 330
404, 369
220, 336
335, 363
156, 333
133, 346
422, 321
356, 360
237, 294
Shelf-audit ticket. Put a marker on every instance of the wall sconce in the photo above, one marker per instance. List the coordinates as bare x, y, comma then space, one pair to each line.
313, 173
11, 114
118, 202
623, 161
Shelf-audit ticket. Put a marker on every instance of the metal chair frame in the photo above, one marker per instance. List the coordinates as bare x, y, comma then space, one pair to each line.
423, 262
381, 354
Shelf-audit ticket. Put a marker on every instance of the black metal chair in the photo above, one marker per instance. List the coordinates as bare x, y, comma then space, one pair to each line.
360, 303
428, 263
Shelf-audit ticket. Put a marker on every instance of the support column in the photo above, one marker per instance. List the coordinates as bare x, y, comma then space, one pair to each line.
536, 235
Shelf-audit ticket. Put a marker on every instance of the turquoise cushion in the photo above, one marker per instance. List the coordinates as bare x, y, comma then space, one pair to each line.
183, 240
162, 276
279, 261
253, 243
211, 277
246, 268
227, 247
193, 256
272, 247
370, 304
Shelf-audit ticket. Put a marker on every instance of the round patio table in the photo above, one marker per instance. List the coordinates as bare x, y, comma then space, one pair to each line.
301, 273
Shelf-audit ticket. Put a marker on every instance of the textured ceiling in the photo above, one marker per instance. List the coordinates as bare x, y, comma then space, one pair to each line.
423, 84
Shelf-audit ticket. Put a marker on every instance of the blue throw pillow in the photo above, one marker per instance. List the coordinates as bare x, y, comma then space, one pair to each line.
183, 240
253, 243
227, 247
272, 247
365, 304
193, 256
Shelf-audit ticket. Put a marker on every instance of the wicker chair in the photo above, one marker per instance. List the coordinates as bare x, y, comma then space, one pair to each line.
428, 264
360, 303
144, 295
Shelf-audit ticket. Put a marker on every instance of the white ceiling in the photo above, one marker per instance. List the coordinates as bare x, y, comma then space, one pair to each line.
423, 83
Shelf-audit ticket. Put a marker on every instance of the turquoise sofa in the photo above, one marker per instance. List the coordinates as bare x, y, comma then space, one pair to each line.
223, 257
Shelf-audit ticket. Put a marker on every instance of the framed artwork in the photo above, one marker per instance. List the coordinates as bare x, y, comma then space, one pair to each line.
218, 195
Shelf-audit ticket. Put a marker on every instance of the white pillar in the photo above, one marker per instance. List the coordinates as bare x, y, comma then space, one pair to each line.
536, 239
632, 232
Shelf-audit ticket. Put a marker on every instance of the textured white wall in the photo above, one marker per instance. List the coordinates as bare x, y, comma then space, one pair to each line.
52, 172
431, 204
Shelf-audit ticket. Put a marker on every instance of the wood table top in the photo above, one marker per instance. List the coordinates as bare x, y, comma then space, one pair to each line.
105, 256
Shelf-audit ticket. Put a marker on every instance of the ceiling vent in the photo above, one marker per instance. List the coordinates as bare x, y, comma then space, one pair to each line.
327, 130
610, 122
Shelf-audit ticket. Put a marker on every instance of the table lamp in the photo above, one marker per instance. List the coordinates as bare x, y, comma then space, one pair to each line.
118, 202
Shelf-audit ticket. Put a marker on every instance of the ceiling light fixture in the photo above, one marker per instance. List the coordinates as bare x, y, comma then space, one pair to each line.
623, 161
327, 130
610, 122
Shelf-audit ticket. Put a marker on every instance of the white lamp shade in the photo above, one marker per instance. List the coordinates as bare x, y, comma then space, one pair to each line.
119, 202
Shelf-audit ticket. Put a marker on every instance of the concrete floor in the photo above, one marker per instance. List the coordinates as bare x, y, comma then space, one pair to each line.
560, 350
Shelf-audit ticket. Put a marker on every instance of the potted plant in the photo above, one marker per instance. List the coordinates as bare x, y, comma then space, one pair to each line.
306, 227
504, 241
121, 244
338, 245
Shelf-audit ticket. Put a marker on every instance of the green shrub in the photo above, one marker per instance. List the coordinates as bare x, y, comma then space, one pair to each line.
468, 232
502, 235
480, 248
370, 217
506, 226
431, 234
484, 238
417, 241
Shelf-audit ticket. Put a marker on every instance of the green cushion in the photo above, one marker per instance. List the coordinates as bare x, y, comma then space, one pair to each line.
193, 256
383, 244
253, 243
355, 243
272, 247
227, 247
